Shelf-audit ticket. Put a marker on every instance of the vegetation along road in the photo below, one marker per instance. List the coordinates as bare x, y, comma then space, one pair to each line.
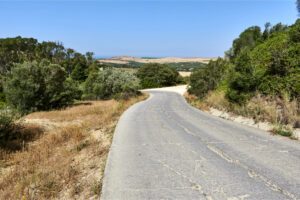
165, 149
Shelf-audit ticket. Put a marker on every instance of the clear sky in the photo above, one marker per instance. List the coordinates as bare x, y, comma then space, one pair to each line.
157, 28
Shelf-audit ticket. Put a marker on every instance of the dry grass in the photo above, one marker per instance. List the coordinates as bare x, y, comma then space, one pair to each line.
275, 110
67, 160
196, 102
217, 100
280, 112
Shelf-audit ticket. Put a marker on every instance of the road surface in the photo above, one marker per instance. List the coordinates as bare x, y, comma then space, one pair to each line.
165, 149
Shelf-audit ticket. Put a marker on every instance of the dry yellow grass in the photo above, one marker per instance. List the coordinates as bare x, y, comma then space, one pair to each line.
196, 102
279, 112
67, 160
217, 100
275, 110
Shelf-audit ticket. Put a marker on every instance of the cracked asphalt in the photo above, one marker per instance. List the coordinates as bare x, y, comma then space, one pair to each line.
165, 149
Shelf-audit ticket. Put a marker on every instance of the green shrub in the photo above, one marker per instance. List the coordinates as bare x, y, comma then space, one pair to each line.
109, 83
7, 125
280, 131
6, 121
2, 96
294, 32
243, 79
31, 86
80, 72
208, 79
278, 60
157, 75
247, 39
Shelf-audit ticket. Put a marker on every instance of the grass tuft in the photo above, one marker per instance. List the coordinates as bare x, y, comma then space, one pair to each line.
282, 132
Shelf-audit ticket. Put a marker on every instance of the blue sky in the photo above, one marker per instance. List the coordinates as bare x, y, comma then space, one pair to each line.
162, 28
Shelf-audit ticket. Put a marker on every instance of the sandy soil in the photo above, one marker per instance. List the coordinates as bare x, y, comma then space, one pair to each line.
181, 89
127, 59
185, 74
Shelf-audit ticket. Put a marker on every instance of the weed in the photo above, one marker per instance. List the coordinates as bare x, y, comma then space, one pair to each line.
282, 132
96, 188
82, 145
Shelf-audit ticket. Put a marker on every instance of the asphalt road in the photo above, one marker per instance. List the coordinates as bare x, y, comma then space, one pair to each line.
165, 149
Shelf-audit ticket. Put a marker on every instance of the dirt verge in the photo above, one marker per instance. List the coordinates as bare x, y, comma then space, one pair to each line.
67, 160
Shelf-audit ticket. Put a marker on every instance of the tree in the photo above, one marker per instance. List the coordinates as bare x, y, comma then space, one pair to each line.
89, 57
278, 60
249, 38
266, 32
31, 86
79, 73
15, 50
110, 82
157, 75
207, 79
278, 28
244, 79
294, 32
19, 50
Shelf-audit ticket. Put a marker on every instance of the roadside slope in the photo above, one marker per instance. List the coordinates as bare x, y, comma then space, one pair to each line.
67, 159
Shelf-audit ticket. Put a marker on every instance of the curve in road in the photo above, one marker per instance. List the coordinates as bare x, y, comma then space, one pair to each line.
165, 149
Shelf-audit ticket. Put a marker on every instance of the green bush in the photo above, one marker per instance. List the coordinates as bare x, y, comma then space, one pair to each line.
207, 79
2, 96
80, 72
31, 86
157, 75
6, 121
109, 83
244, 78
281, 131
278, 60
294, 32
247, 39
7, 117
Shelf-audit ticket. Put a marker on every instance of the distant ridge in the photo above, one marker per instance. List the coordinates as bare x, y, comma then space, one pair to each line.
127, 59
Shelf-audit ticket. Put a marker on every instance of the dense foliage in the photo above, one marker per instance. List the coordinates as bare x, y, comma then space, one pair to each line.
208, 79
19, 50
44, 76
266, 62
111, 83
6, 120
157, 75
32, 86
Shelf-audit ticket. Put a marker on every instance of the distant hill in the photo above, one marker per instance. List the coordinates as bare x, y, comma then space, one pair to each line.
128, 59
180, 64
